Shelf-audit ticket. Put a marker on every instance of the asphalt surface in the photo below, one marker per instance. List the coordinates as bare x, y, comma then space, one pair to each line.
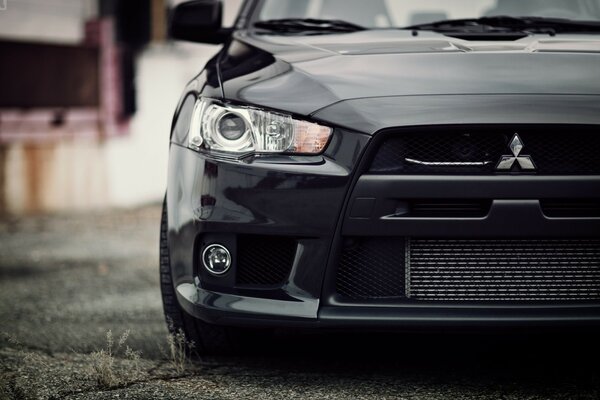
65, 280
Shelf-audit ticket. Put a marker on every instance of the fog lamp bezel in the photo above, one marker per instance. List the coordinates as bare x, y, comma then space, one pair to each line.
206, 265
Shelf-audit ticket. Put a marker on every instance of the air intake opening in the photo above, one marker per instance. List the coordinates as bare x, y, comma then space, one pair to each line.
264, 261
371, 268
571, 208
442, 208
466, 270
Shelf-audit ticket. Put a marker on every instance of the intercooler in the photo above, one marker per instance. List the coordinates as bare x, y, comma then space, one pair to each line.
471, 270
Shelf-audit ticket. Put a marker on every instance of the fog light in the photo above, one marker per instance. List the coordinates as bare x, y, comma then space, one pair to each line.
216, 259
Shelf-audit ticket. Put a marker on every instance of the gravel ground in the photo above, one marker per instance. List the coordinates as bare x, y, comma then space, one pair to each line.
65, 280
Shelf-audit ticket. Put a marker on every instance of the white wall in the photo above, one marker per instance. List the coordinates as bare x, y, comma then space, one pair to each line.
121, 171
137, 163
46, 20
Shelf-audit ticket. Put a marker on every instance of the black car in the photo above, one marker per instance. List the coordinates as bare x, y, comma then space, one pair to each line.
385, 164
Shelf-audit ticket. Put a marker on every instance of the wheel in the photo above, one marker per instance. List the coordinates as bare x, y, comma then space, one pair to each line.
207, 338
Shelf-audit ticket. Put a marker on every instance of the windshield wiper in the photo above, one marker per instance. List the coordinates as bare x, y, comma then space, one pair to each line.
506, 25
308, 25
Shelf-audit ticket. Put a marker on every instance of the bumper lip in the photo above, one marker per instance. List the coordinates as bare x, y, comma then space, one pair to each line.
220, 308
461, 316
242, 311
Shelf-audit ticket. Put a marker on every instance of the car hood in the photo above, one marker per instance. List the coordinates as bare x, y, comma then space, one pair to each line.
303, 74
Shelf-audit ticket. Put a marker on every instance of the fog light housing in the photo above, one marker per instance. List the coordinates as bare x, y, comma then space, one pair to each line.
216, 259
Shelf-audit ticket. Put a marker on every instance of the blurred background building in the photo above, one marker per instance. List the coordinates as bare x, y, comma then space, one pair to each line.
87, 94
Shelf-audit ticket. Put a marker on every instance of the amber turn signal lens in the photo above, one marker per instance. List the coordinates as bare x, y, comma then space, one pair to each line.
310, 138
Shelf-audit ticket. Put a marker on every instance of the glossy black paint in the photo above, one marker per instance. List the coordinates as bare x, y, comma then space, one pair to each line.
361, 84
306, 74
298, 197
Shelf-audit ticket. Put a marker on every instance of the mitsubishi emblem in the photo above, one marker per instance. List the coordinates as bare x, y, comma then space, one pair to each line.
507, 162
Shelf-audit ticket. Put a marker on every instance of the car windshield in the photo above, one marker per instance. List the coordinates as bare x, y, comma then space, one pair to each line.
402, 13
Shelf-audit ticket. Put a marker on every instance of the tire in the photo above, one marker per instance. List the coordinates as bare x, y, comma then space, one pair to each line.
207, 338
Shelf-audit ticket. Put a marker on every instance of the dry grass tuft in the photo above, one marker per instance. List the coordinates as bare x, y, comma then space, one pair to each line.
179, 349
103, 369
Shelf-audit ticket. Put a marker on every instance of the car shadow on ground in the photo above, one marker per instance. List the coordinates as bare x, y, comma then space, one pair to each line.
541, 362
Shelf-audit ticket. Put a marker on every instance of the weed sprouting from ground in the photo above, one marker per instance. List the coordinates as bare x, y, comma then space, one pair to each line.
179, 349
103, 369
103, 364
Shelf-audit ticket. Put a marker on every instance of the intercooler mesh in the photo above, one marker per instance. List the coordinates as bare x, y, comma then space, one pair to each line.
504, 270
470, 270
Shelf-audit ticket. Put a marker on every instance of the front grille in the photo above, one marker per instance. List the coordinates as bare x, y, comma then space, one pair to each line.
470, 270
264, 260
555, 150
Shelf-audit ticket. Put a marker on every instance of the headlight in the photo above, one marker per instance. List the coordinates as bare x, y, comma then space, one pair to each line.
240, 130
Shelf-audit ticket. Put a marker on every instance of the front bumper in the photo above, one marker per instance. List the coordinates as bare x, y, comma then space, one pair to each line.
300, 198
235, 310
313, 201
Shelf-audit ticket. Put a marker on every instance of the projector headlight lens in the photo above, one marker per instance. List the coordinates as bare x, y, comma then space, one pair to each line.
232, 126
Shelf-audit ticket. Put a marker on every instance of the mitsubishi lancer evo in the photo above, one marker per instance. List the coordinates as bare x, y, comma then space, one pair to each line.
385, 164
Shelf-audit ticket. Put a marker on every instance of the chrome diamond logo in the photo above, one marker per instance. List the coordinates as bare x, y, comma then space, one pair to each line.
507, 163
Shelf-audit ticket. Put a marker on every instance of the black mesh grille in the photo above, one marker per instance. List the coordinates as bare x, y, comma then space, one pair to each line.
555, 150
514, 270
263, 260
371, 268
570, 153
